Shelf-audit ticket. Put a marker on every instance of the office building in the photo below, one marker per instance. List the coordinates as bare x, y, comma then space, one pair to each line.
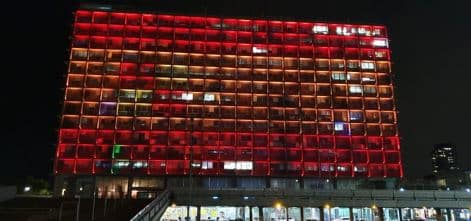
444, 158
151, 98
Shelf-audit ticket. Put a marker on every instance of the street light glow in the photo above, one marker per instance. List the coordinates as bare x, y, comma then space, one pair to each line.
278, 205
27, 189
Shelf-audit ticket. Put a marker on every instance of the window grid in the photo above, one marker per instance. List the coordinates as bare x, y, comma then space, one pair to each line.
309, 99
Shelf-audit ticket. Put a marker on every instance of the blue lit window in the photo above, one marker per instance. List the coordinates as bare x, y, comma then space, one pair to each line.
355, 116
339, 126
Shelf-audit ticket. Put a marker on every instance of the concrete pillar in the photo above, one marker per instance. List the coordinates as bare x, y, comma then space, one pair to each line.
260, 213
198, 213
302, 213
440, 215
350, 211
380, 213
130, 181
400, 214
448, 214
321, 214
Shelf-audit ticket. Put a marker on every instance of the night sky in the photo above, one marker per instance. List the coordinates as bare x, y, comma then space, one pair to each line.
430, 41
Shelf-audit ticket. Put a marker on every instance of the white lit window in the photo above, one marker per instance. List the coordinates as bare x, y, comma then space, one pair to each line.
342, 168
367, 65
257, 50
320, 29
380, 43
376, 32
139, 164
364, 31
121, 164
359, 168
339, 126
355, 89
380, 54
244, 165
229, 165
206, 165
187, 96
338, 76
208, 97
345, 31
367, 79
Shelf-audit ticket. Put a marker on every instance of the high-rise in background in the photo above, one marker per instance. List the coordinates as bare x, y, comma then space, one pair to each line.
444, 158
239, 102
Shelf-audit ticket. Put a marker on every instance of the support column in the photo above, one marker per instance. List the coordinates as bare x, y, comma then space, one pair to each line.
448, 214
350, 211
198, 213
130, 180
380, 213
400, 214
250, 214
440, 215
321, 214
302, 213
260, 213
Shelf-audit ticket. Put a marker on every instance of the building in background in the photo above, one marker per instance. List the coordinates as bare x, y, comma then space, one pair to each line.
447, 173
153, 98
444, 158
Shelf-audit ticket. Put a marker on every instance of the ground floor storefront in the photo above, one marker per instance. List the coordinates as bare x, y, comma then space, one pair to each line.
325, 213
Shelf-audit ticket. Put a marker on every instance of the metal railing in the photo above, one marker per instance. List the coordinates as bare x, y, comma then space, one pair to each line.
154, 209
363, 198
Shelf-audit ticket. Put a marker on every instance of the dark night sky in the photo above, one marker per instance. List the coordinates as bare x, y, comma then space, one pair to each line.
430, 41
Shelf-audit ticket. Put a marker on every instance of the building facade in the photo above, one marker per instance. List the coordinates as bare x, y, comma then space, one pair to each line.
152, 97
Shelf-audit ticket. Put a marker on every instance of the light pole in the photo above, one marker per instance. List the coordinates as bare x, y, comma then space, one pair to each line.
78, 204
93, 204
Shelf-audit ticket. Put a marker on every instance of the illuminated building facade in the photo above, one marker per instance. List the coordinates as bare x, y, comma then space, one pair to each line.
148, 95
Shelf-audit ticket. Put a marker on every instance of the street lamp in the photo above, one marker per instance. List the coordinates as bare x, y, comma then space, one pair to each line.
78, 204
278, 205
27, 189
